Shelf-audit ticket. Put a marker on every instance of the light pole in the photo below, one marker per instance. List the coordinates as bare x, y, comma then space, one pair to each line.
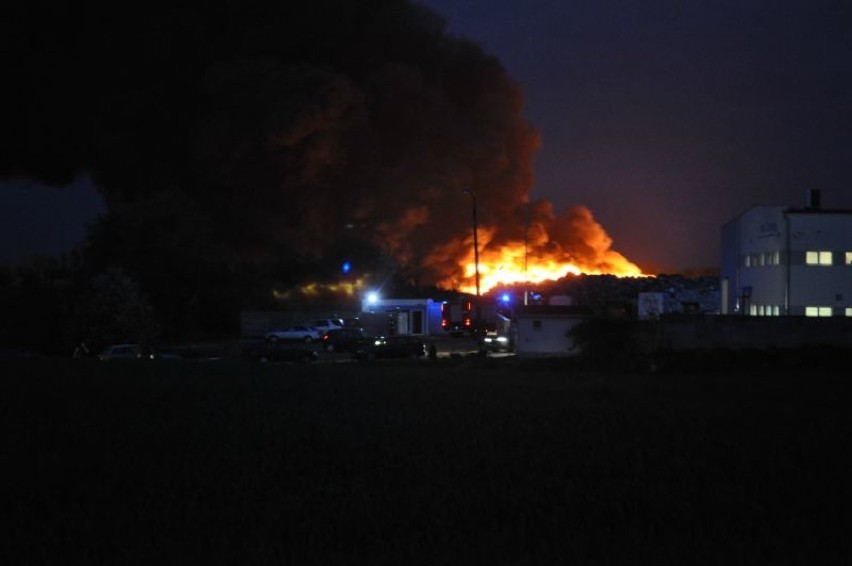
478, 329
526, 248
475, 241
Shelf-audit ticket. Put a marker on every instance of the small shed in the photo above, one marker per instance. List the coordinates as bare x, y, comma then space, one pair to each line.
544, 330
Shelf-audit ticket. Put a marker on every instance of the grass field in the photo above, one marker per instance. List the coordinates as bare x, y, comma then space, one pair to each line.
453, 461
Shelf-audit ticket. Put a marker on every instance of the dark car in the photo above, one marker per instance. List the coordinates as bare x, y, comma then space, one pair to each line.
343, 339
165, 354
125, 352
390, 347
494, 342
279, 352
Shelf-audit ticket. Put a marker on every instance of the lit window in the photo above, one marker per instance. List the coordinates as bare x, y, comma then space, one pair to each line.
752, 310
776, 310
817, 311
848, 258
818, 258
776, 258
760, 311
747, 260
848, 311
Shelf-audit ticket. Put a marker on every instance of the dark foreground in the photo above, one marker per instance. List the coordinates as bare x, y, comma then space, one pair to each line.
456, 461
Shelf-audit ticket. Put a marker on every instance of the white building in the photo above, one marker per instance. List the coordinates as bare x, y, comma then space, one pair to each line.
545, 330
779, 261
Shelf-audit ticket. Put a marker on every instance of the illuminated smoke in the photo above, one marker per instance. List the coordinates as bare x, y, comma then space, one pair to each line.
292, 128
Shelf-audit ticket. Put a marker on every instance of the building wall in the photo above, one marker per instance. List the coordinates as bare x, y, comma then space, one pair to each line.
820, 285
764, 271
545, 335
753, 250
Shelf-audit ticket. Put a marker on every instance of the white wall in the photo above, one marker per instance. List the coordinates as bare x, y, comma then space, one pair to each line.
550, 336
772, 229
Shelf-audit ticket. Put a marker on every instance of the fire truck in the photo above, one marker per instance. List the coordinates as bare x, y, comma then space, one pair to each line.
459, 316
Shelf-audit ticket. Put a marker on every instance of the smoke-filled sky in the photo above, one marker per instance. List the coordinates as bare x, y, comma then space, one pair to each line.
664, 119
667, 119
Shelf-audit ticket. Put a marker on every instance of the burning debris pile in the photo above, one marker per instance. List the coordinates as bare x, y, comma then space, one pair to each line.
551, 248
618, 296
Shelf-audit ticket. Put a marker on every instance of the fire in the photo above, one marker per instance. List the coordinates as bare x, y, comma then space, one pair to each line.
508, 266
571, 244
551, 247
312, 290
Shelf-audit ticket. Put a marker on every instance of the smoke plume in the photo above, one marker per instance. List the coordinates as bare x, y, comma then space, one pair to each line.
288, 127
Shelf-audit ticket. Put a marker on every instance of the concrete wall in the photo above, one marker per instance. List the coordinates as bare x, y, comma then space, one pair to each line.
743, 332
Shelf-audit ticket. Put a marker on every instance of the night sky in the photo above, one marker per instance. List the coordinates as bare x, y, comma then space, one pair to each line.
665, 119
668, 119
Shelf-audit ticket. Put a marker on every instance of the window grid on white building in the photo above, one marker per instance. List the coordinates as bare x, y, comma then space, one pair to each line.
818, 311
762, 259
764, 310
818, 257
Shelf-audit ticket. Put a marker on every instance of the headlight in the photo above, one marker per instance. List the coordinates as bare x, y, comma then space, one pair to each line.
502, 339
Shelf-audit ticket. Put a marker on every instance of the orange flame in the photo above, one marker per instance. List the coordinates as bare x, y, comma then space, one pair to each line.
577, 245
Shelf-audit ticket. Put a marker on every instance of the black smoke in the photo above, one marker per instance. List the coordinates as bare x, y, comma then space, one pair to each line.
282, 129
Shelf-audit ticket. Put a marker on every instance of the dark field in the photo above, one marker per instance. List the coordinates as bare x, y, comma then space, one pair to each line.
452, 461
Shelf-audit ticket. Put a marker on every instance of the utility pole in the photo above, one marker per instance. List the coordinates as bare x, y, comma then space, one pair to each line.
526, 251
476, 262
475, 241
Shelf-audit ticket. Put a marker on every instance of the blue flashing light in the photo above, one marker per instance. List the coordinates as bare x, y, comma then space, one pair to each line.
347, 267
372, 297
505, 297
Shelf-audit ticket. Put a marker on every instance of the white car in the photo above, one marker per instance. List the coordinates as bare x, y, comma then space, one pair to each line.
297, 333
325, 324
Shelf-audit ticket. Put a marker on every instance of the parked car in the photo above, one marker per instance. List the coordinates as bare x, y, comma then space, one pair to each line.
279, 352
493, 342
390, 347
343, 339
325, 324
124, 352
165, 354
18, 354
297, 333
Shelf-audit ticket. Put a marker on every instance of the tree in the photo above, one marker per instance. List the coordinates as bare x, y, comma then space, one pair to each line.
113, 310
